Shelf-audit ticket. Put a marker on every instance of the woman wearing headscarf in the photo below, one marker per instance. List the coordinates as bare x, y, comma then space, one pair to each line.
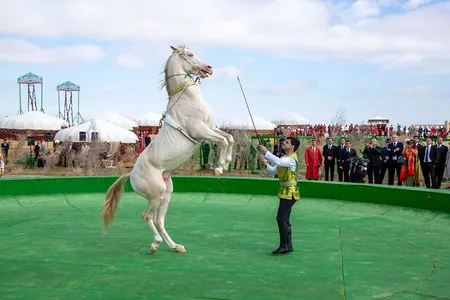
410, 171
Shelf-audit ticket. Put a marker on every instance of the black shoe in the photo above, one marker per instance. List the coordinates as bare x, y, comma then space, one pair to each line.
281, 250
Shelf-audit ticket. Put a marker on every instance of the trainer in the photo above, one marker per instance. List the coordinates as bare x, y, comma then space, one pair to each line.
286, 167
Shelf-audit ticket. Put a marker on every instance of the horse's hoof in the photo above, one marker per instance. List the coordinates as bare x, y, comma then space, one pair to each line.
180, 249
218, 172
152, 248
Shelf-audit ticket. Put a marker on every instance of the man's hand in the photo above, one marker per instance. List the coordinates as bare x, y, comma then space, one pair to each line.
262, 149
264, 161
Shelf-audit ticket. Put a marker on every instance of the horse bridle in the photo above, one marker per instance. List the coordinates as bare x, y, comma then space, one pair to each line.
191, 80
182, 86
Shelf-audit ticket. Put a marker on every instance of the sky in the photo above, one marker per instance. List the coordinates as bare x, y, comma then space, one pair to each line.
386, 58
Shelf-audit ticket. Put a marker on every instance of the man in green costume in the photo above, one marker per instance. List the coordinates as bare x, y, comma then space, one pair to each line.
286, 168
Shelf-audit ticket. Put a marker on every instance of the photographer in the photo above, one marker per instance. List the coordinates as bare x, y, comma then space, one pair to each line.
373, 152
358, 169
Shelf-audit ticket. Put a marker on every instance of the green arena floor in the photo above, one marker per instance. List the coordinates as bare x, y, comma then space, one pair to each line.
52, 247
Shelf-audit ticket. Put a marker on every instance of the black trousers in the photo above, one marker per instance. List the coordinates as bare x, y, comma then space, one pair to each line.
439, 175
283, 220
428, 172
329, 170
383, 169
346, 166
393, 167
340, 174
374, 174
370, 173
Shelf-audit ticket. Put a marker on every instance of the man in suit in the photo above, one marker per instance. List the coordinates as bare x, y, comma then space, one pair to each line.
395, 150
337, 154
427, 157
329, 155
385, 159
344, 158
441, 157
373, 152
419, 146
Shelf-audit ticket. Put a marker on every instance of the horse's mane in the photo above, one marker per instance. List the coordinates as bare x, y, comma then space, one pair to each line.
166, 75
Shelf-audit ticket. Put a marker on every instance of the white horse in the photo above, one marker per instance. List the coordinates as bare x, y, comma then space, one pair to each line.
187, 122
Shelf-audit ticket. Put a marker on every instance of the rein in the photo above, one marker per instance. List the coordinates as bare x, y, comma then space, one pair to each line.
181, 87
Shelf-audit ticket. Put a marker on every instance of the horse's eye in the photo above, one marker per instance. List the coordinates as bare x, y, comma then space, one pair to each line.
190, 54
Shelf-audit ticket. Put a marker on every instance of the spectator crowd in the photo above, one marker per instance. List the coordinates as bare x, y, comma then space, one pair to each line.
379, 130
404, 162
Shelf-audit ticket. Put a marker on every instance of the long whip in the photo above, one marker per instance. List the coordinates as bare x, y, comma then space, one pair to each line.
246, 103
251, 143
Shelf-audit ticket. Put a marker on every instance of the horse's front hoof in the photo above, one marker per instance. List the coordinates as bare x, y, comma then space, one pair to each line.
180, 249
218, 172
152, 248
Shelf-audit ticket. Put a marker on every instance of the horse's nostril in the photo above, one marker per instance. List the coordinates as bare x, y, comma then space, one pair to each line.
209, 67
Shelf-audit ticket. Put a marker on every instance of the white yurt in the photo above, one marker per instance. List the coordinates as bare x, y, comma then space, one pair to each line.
116, 119
148, 119
33, 120
263, 126
290, 118
106, 131
247, 124
148, 123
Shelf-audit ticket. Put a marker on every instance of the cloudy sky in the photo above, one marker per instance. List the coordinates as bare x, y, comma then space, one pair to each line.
369, 57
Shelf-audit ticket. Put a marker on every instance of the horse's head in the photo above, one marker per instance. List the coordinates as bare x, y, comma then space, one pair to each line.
191, 63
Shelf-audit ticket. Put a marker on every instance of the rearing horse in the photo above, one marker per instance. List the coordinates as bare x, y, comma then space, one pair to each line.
187, 121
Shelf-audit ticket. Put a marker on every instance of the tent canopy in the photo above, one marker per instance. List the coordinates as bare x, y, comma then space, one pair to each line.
148, 119
33, 120
116, 119
107, 132
260, 124
291, 118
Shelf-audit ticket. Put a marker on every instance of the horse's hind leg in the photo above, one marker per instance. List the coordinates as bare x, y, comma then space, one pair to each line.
147, 215
152, 187
161, 215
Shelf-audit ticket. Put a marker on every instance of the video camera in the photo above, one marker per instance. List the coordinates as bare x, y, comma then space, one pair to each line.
358, 169
357, 162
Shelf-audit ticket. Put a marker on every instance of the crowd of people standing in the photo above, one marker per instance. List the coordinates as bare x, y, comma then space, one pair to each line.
320, 131
407, 162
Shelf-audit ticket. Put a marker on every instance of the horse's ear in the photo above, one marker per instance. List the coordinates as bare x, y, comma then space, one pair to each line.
173, 48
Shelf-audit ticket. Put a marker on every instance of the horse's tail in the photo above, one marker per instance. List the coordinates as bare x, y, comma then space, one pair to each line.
112, 200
